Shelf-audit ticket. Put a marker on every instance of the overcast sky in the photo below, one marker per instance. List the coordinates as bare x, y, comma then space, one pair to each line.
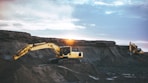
117, 20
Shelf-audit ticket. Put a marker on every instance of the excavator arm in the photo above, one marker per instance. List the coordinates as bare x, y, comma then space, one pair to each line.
37, 46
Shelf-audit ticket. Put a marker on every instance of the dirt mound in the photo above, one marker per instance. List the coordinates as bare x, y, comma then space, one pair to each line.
7, 70
103, 61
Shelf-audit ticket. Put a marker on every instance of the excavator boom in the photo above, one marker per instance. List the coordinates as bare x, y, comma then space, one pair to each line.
37, 46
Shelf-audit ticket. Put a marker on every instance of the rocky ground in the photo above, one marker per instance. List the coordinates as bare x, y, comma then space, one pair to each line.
103, 62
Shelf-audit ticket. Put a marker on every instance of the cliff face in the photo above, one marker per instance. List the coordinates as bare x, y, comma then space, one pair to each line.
103, 61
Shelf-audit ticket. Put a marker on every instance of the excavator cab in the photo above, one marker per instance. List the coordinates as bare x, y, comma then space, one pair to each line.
64, 50
67, 52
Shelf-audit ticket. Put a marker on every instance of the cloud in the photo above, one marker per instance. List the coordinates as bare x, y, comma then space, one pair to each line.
109, 12
102, 3
102, 34
69, 35
92, 25
130, 9
76, 2
139, 10
113, 3
142, 42
21, 25
39, 15
118, 3
5, 1
89, 25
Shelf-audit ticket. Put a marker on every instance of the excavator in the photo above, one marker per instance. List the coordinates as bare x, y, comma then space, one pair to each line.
61, 51
134, 50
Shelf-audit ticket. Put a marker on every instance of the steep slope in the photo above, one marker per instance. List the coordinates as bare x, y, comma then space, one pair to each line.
103, 61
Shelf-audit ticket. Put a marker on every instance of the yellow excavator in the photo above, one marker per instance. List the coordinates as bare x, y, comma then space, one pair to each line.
134, 50
61, 51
